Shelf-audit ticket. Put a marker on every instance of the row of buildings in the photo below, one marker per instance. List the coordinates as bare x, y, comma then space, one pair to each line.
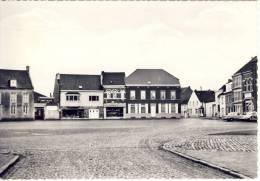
145, 93
238, 96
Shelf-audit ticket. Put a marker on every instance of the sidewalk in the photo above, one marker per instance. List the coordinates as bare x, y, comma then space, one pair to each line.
237, 153
6, 160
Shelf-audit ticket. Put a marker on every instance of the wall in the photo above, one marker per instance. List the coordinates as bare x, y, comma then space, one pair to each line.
84, 99
5, 105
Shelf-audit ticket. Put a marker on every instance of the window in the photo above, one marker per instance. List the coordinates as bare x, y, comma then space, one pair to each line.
105, 95
25, 108
153, 95
248, 84
13, 97
172, 108
237, 96
72, 97
173, 95
13, 107
132, 108
118, 95
132, 94
13, 83
162, 108
0, 98
162, 95
143, 96
93, 98
237, 81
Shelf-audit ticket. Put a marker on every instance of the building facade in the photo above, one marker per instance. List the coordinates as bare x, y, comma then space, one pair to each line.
244, 88
114, 94
152, 93
79, 96
16, 95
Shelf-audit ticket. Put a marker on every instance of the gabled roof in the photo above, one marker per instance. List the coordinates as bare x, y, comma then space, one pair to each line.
152, 77
185, 94
22, 77
113, 78
251, 65
74, 81
205, 96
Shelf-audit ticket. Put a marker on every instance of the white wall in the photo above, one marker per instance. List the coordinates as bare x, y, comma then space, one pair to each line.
84, 99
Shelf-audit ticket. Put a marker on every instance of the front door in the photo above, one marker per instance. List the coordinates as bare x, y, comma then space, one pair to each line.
153, 110
93, 113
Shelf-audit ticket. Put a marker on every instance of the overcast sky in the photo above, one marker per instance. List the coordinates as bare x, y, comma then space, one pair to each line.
201, 43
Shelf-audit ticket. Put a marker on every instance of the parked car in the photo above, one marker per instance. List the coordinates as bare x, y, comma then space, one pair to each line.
231, 116
235, 116
250, 116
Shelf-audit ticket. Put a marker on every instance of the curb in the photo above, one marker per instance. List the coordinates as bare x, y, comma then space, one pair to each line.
225, 170
9, 164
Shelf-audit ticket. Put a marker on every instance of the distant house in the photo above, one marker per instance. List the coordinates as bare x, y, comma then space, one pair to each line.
79, 96
44, 107
244, 88
185, 97
201, 103
114, 94
152, 93
16, 95
223, 99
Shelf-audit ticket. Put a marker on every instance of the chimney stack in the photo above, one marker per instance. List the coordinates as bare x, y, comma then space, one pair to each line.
28, 69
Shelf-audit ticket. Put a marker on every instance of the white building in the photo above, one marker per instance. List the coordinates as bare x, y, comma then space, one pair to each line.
79, 96
201, 104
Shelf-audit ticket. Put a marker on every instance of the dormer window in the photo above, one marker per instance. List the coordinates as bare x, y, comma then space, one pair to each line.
13, 83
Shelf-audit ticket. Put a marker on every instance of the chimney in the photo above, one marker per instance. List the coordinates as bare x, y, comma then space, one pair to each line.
28, 69
58, 76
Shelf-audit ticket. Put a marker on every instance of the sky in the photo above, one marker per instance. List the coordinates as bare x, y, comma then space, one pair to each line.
201, 43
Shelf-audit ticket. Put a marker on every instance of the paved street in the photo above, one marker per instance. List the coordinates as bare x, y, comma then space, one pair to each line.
109, 148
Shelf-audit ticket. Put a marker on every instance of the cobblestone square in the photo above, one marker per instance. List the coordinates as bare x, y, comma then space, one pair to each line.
120, 148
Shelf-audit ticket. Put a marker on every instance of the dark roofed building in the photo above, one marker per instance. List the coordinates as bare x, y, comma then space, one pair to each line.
79, 96
21, 77
205, 96
16, 95
152, 93
245, 88
114, 94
